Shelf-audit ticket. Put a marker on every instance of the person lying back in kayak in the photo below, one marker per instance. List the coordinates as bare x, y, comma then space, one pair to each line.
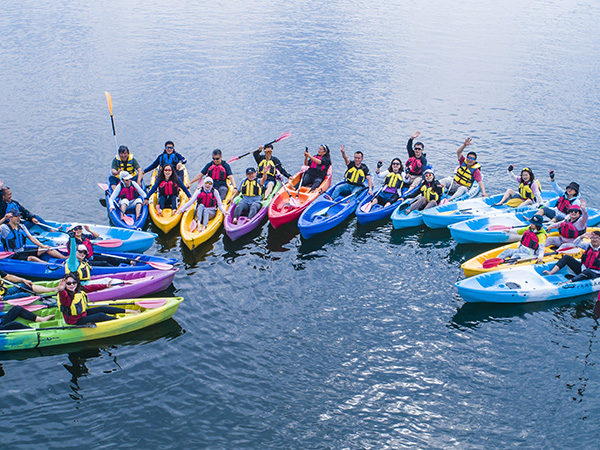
530, 191
469, 171
167, 184
416, 162
124, 162
251, 192
431, 192
207, 200
169, 156
533, 241
12, 286
8, 320
268, 166
567, 198
318, 165
588, 267
7, 204
73, 302
354, 177
394, 180
129, 193
14, 235
571, 227
219, 171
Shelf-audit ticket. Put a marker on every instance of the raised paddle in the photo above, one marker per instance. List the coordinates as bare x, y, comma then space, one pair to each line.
323, 211
156, 265
280, 138
103, 186
495, 262
112, 120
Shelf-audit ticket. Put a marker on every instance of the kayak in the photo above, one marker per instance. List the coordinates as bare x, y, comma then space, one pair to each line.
493, 229
126, 284
115, 214
523, 284
135, 241
54, 268
246, 225
377, 211
284, 209
193, 239
326, 213
56, 332
167, 220
454, 212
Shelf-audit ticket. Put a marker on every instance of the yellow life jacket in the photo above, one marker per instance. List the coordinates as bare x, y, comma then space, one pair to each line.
430, 193
394, 180
526, 192
267, 166
3, 288
126, 165
355, 175
464, 174
78, 306
84, 271
251, 188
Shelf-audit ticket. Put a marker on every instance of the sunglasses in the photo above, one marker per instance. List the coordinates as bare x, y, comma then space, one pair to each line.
71, 283
170, 147
471, 158
168, 170
217, 159
419, 148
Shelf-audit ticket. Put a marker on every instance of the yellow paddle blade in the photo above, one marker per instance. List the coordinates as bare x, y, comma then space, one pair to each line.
514, 202
109, 101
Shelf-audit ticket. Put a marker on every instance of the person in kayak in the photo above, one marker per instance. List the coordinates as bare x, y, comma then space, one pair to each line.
354, 177
318, 165
73, 302
530, 190
574, 225
533, 241
468, 172
129, 193
416, 162
268, 165
124, 162
169, 156
567, 198
84, 241
167, 184
12, 286
8, 204
219, 171
394, 180
251, 193
207, 200
8, 320
588, 267
14, 235
431, 192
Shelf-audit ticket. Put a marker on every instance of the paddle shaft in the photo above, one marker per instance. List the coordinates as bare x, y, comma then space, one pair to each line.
324, 210
112, 120
280, 138
28, 290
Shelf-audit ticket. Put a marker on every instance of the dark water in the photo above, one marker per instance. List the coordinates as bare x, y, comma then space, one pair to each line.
356, 339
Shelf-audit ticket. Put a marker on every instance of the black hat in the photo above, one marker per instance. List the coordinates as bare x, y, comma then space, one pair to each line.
537, 220
250, 170
573, 185
16, 212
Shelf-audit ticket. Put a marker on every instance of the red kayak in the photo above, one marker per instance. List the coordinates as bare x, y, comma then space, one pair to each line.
289, 203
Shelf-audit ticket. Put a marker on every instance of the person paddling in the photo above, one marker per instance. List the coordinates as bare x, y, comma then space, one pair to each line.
14, 235
530, 190
468, 172
171, 157
207, 200
533, 241
124, 162
588, 268
268, 165
167, 184
129, 193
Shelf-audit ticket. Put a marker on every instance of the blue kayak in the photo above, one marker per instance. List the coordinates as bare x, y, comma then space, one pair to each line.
326, 213
400, 218
493, 229
524, 284
377, 211
54, 268
133, 240
115, 214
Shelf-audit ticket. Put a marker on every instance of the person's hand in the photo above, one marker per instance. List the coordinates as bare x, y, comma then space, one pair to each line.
35, 221
468, 141
343, 149
379, 164
540, 259
62, 285
511, 168
551, 175
27, 283
415, 135
111, 209
179, 165
583, 202
307, 153
145, 202
370, 191
261, 148
546, 272
177, 213
484, 195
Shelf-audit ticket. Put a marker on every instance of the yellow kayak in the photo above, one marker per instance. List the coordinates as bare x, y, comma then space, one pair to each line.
474, 266
193, 239
167, 220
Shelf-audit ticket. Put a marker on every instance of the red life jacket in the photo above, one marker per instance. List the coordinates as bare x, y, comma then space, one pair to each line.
530, 240
207, 199
319, 166
414, 166
591, 258
129, 193
217, 172
563, 204
168, 188
567, 230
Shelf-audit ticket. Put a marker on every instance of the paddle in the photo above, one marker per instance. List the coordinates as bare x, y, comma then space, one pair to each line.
156, 265
280, 138
43, 225
514, 202
148, 304
323, 211
455, 211
495, 262
103, 186
31, 291
293, 201
112, 120
507, 227
367, 206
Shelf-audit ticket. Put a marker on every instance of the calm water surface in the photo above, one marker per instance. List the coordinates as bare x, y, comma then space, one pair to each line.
354, 339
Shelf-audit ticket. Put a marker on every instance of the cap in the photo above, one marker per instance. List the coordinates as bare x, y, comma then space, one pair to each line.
573, 185
430, 170
82, 248
124, 175
16, 212
537, 220
250, 170
575, 208
208, 180
76, 226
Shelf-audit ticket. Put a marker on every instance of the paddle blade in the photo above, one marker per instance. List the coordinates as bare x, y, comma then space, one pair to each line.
514, 202
159, 265
499, 228
294, 202
32, 308
568, 250
109, 243
4, 255
366, 207
193, 225
22, 301
235, 158
128, 220
103, 186
492, 262
109, 101
283, 136
152, 303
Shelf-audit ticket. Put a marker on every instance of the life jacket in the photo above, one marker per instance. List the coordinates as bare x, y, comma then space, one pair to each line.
15, 240
11, 207
591, 258
172, 159
78, 305
168, 188
394, 180
431, 191
3, 287
130, 193
531, 239
315, 165
563, 204
217, 172
414, 166
207, 199
126, 165
464, 174
526, 192
355, 175
567, 230
251, 188
267, 166
84, 270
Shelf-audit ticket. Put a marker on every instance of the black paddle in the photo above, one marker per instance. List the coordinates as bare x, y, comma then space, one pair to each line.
280, 138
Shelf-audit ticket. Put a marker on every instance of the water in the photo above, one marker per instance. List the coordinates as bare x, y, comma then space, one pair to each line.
356, 339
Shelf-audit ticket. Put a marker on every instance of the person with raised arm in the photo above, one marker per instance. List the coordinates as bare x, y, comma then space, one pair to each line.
468, 172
